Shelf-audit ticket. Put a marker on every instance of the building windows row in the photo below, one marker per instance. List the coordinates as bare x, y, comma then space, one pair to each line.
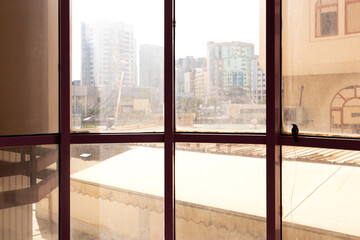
327, 17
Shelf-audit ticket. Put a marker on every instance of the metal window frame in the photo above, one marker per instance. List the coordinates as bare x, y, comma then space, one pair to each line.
273, 139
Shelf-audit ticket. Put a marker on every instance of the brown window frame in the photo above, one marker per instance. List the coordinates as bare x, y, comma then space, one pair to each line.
273, 138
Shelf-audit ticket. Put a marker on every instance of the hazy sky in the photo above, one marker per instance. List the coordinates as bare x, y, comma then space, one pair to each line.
197, 22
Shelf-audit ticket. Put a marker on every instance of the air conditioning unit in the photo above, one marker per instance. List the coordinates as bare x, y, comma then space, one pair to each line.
293, 114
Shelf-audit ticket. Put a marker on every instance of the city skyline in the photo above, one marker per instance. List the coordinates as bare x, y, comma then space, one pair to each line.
135, 48
151, 31
109, 59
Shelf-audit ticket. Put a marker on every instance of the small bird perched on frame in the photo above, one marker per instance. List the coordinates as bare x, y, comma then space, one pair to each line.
295, 132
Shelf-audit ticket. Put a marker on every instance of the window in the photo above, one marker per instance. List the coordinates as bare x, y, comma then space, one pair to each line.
321, 95
352, 20
166, 165
317, 194
326, 18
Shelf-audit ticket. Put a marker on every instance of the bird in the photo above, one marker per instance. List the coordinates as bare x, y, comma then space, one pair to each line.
295, 132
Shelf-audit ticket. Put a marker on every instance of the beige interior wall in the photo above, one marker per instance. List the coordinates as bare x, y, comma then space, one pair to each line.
28, 67
53, 65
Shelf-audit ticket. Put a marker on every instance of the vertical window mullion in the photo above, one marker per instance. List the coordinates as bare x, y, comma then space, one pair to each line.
169, 145
273, 121
64, 172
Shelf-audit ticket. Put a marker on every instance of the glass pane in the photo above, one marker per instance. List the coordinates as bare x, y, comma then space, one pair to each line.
220, 191
220, 76
320, 193
29, 193
29, 67
117, 65
320, 69
117, 191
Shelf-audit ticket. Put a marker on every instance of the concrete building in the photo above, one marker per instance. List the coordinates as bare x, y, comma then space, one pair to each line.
195, 83
200, 82
320, 66
97, 103
229, 70
258, 77
151, 66
108, 50
188, 83
231, 205
182, 66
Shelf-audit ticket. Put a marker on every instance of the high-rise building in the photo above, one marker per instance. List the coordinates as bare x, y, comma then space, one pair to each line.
151, 66
108, 53
258, 77
229, 70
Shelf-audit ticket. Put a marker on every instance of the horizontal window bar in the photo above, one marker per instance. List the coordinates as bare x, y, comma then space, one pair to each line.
318, 142
116, 138
221, 138
29, 140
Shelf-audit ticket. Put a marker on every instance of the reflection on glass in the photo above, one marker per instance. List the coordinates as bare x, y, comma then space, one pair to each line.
117, 65
220, 191
320, 67
220, 76
117, 191
29, 67
29, 193
320, 193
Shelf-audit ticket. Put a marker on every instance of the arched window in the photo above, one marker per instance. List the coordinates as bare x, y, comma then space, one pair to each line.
352, 19
345, 107
326, 18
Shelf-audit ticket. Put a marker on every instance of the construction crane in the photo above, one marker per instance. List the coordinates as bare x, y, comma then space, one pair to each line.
119, 97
